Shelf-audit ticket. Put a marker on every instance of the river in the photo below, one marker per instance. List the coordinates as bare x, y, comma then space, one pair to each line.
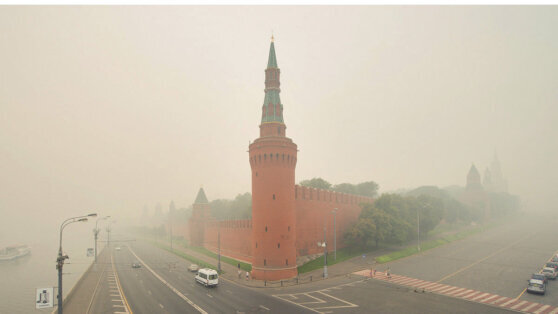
20, 277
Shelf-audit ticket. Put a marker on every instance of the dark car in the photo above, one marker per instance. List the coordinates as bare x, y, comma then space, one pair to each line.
539, 277
536, 286
554, 259
552, 265
136, 264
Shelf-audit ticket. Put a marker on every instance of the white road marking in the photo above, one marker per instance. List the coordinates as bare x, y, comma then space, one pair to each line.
507, 303
518, 305
499, 300
209, 295
489, 298
542, 309
265, 308
479, 296
161, 306
168, 284
530, 307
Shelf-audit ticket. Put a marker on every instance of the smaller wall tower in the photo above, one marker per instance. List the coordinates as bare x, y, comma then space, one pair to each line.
199, 218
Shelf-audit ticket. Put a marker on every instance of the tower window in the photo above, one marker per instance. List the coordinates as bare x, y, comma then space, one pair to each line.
265, 262
271, 157
278, 245
256, 173
273, 196
279, 130
288, 157
277, 156
289, 228
265, 228
256, 245
283, 157
265, 157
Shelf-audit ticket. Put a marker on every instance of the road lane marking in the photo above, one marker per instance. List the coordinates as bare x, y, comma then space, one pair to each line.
489, 298
508, 302
530, 307
546, 306
199, 309
479, 296
161, 306
265, 308
209, 295
482, 259
127, 308
518, 305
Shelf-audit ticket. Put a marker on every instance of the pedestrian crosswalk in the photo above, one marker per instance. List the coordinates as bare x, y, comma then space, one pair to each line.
463, 293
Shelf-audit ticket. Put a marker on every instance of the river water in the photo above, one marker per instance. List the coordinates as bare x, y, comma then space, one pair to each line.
20, 278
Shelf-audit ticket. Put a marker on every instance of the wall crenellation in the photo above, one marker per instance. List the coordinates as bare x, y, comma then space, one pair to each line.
314, 194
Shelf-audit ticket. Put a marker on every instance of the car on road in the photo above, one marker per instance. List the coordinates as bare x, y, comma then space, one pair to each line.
549, 272
552, 265
536, 286
136, 264
554, 259
193, 267
207, 277
539, 276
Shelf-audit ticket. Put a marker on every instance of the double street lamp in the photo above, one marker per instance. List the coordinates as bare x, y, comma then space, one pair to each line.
96, 233
60, 259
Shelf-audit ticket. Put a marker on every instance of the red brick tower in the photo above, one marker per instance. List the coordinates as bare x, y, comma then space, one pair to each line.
200, 216
273, 162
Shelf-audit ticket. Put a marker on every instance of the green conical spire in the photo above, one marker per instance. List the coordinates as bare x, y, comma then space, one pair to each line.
201, 198
272, 110
272, 61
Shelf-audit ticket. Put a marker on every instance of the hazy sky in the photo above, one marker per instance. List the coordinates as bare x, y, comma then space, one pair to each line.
114, 108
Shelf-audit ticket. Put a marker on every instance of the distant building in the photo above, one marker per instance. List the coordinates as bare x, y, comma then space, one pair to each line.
474, 194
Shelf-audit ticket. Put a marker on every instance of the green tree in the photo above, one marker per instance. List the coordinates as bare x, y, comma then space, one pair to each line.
368, 188
345, 188
317, 183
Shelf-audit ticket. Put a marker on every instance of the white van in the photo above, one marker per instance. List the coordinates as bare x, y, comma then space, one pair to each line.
207, 277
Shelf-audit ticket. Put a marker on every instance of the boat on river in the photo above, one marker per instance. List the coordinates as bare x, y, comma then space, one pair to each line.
12, 252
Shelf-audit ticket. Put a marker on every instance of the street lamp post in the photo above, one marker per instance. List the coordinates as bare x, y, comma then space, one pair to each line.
418, 225
60, 259
96, 233
418, 230
324, 245
334, 235
219, 244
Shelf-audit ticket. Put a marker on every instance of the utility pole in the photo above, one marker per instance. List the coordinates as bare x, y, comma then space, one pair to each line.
219, 245
334, 236
171, 210
418, 231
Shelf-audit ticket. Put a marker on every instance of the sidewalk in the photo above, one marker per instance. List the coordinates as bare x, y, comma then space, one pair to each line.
81, 295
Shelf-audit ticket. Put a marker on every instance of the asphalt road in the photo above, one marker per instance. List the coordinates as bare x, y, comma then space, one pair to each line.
354, 294
497, 261
149, 293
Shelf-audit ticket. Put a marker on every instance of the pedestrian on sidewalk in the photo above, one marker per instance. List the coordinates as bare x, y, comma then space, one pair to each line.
388, 272
247, 276
239, 274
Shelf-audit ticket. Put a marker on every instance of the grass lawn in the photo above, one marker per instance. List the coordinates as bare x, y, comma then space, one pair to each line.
244, 266
185, 256
342, 255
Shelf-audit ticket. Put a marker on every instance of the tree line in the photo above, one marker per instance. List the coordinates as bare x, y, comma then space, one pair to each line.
368, 188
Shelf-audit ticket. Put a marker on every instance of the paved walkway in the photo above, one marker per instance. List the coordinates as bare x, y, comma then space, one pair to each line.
79, 300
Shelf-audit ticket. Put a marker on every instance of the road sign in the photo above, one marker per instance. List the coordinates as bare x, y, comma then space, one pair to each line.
44, 298
90, 252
